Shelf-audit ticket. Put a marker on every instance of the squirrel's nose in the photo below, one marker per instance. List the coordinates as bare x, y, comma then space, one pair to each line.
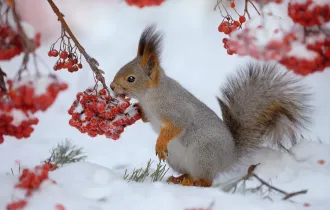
112, 86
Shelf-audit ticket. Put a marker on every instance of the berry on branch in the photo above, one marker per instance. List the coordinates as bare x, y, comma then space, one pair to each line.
67, 54
11, 43
302, 45
309, 12
144, 3
21, 99
95, 112
30, 181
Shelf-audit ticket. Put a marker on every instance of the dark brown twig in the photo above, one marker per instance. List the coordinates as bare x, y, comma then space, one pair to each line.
2, 81
254, 6
91, 61
246, 10
286, 194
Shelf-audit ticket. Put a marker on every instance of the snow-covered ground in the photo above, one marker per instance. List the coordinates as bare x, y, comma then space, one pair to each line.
193, 54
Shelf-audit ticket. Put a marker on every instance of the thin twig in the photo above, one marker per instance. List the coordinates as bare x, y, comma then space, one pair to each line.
2, 81
268, 185
290, 195
254, 6
250, 173
286, 194
91, 61
246, 9
217, 5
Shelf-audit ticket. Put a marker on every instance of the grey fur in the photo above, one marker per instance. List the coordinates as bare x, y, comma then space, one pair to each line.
207, 145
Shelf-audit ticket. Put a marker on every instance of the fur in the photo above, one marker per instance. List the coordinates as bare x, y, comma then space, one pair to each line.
257, 102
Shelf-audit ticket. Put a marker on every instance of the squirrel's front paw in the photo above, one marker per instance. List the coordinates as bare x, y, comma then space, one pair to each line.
161, 150
141, 112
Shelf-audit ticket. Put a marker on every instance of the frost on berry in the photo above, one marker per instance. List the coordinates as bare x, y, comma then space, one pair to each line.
303, 50
11, 43
35, 93
22, 99
144, 3
309, 12
95, 112
259, 41
17, 123
30, 181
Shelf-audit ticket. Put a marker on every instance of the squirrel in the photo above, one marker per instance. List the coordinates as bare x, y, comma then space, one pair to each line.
259, 104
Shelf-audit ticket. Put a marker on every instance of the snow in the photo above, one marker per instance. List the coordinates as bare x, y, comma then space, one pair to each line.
300, 50
193, 55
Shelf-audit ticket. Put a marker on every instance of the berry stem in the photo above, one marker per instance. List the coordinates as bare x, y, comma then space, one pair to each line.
254, 6
91, 61
246, 10
2, 81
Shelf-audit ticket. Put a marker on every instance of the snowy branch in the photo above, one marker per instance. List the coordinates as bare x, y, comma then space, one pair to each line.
251, 173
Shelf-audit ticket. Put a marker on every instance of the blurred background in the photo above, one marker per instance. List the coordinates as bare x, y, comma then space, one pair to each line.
109, 30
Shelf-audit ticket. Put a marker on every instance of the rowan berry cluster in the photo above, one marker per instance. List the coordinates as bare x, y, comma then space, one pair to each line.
96, 112
144, 3
67, 55
302, 47
268, 1
11, 42
22, 99
16, 123
309, 12
30, 181
35, 93
228, 25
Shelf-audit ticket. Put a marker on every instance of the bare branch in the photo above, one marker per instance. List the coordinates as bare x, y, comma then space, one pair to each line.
91, 61
2, 81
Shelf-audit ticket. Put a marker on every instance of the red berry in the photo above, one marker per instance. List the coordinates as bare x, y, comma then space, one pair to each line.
64, 55
232, 4
242, 19
53, 53
59, 207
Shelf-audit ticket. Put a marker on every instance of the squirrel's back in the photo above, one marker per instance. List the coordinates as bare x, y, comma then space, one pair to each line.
262, 102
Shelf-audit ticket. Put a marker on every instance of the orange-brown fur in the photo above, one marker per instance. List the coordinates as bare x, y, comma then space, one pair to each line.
177, 180
167, 133
196, 182
272, 113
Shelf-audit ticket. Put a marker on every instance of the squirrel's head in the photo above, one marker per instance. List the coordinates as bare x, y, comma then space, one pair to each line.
142, 72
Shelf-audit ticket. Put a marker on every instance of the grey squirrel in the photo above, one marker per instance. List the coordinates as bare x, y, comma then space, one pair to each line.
257, 103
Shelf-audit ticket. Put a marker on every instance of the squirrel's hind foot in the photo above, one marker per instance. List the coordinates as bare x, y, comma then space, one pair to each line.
187, 180
196, 182
177, 180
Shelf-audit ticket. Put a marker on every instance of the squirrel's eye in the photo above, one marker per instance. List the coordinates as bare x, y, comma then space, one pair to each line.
130, 79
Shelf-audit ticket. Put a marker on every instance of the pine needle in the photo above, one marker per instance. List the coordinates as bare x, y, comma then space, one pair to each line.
141, 174
66, 152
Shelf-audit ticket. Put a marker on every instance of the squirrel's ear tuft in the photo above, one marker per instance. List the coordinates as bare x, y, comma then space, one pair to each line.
150, 45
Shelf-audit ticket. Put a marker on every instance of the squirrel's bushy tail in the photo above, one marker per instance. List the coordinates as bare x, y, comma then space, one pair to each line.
262, 103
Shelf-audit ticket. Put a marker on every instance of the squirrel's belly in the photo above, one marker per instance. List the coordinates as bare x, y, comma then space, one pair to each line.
177, 154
